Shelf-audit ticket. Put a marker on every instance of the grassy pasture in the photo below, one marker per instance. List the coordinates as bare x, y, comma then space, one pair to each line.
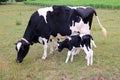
109, 4
106, 56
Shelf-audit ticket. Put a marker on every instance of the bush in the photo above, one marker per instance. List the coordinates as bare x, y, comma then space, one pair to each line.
106, 4
19, 0
3, 1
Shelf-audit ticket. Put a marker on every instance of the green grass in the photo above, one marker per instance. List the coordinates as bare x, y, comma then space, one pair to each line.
111, 4
106, 55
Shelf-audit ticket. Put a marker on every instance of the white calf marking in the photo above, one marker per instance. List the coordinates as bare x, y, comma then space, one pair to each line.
69, 38
18, 45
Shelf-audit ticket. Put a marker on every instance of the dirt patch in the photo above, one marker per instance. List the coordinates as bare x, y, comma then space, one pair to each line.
95, 78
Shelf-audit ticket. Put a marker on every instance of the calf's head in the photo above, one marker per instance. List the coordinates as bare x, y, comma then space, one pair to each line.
62, 45
22, 48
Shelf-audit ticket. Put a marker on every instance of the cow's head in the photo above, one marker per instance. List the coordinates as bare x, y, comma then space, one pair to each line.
22, 48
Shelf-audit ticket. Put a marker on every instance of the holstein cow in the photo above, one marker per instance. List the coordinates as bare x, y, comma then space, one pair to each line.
43, 23
84, 20
83, 41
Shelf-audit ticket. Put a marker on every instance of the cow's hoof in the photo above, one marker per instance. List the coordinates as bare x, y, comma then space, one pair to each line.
43, 58
66, 61
86, 57
71, 60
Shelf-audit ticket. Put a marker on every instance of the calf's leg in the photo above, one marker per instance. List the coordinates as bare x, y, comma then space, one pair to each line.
91, 57
68, 56
87, 55
73, 52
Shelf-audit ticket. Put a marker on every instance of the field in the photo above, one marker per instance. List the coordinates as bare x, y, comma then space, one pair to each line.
13, 21
109, 4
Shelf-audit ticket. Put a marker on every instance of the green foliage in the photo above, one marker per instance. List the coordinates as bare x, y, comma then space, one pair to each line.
19, 0
3, 1
111, 4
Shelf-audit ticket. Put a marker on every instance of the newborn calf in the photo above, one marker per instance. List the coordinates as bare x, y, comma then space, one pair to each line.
83, 41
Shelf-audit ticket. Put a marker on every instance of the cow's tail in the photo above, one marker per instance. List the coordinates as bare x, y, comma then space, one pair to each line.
92, 42
101, 26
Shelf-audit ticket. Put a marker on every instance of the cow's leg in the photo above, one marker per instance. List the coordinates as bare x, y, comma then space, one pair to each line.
68, 56
91, 56
51, 46
45, 46
87, 55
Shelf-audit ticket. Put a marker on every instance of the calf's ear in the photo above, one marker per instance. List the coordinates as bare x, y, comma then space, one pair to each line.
58, 44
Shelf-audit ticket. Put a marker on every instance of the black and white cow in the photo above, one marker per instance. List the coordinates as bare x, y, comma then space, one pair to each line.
84, 41
43, 23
